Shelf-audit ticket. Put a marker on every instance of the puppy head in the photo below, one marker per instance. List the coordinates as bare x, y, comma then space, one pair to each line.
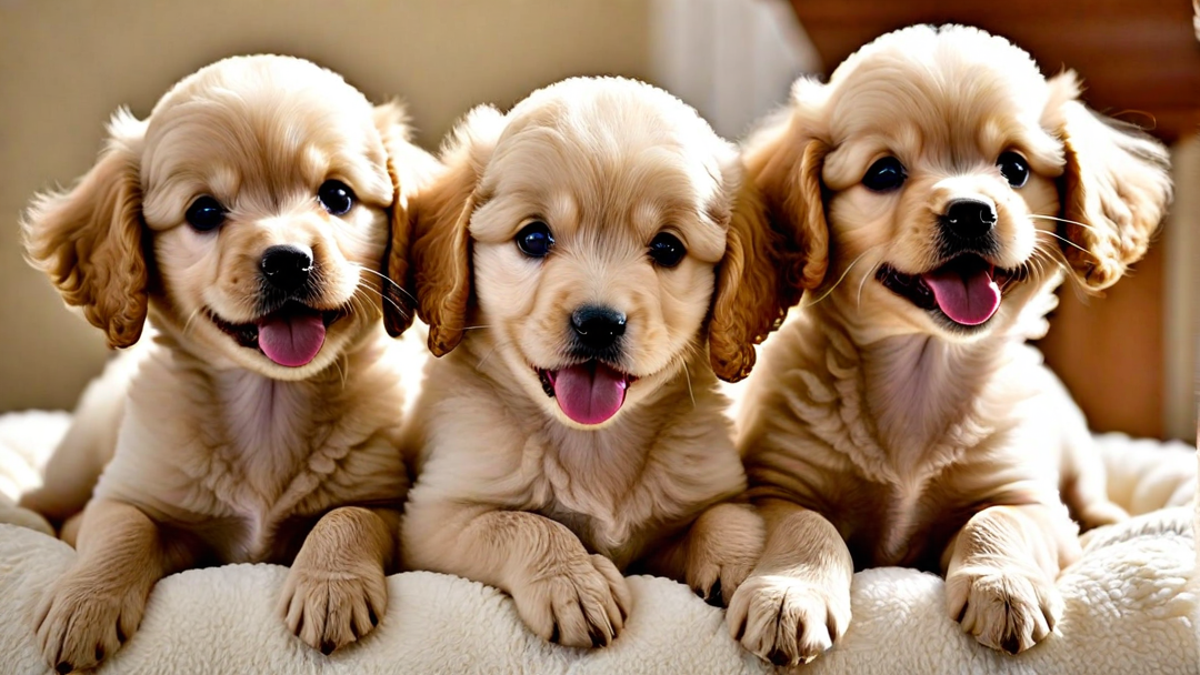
585, 232
954, 180
251, 211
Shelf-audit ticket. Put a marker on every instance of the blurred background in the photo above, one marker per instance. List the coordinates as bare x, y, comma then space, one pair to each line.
1130, 357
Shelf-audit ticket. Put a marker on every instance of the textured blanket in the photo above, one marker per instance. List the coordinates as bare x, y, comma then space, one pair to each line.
1132, 604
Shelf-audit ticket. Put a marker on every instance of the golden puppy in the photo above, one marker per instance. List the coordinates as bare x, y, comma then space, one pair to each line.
573, 251
899, 419
248, 216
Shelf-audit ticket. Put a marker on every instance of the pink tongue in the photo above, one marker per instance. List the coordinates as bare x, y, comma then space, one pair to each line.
291, 339
968, 298
589, 393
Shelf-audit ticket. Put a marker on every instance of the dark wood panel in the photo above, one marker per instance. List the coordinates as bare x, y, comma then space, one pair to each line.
1139, 60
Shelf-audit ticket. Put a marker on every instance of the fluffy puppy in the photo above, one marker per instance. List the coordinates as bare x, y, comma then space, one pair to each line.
579, 263
942, 184
248, 217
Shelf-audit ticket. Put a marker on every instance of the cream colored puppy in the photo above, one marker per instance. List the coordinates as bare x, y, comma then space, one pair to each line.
899, 419
579, 263
248, 217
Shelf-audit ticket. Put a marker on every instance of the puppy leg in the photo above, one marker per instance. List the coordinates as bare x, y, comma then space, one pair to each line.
97, 605
563, 593
1000, 572
796, 603
1083, 477
336, 590
716, 554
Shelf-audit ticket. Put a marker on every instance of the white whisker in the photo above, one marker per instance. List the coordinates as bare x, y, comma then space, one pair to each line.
389, 280
487, 356
1066, 241
1062, 220
841, 278
188, 324
870, 274
688, 376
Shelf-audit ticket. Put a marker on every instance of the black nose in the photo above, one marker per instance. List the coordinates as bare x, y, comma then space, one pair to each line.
597, 328
286, 267
969, 218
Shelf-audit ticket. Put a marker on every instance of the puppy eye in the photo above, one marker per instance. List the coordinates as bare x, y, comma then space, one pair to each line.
205, 214
1014, 168
535, 239
885, 175
666, 250
336, 197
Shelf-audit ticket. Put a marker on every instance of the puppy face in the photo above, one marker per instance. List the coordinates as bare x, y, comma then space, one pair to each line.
255, 201
938, 158
597, 212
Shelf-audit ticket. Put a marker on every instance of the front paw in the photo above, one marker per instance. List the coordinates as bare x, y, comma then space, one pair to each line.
725, 544
81, 622
583, 603
329, 609
1006, 609
788, 621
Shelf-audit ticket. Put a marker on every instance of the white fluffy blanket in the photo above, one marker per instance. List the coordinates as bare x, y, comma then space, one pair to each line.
1132, 605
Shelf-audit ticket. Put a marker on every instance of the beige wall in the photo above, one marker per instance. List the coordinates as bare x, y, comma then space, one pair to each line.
66, 65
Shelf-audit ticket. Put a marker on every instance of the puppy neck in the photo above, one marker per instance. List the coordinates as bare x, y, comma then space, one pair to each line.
920, 394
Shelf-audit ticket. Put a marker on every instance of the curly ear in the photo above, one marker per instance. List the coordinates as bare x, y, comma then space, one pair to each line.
748, 303
777, 246
1115, 187
89, 239
441, 241
410, 169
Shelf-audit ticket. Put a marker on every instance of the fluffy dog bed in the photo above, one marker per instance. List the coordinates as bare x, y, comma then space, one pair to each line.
1131, 603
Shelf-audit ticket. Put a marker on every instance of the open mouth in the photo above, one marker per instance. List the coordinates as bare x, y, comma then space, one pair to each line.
589, 392
291, 336
967, 290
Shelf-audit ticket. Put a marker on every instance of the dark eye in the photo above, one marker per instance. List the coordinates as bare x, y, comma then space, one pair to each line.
1014, 168
666, 250
205, 214
885, 175
535, 239
336, 197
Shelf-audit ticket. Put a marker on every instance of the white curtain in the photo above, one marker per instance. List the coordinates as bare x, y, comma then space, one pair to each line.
733, 60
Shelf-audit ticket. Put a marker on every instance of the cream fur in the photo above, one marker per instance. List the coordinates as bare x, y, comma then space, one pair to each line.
875, 433
212, 453
510, 491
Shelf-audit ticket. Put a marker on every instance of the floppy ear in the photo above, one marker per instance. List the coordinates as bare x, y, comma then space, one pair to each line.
89, 240
441, 255
1115, 188
748, 304
776, 247
410, 168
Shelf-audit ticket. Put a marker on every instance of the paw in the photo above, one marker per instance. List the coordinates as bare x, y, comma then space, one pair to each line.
1005, 609
80, 623
717, 564
788, 621
329, 609
583, 603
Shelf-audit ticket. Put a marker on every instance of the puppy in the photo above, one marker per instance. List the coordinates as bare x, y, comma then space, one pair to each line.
248, 217
899, 419
580, 263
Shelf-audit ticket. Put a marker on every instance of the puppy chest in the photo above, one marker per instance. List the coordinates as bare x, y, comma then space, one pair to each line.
886, 525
